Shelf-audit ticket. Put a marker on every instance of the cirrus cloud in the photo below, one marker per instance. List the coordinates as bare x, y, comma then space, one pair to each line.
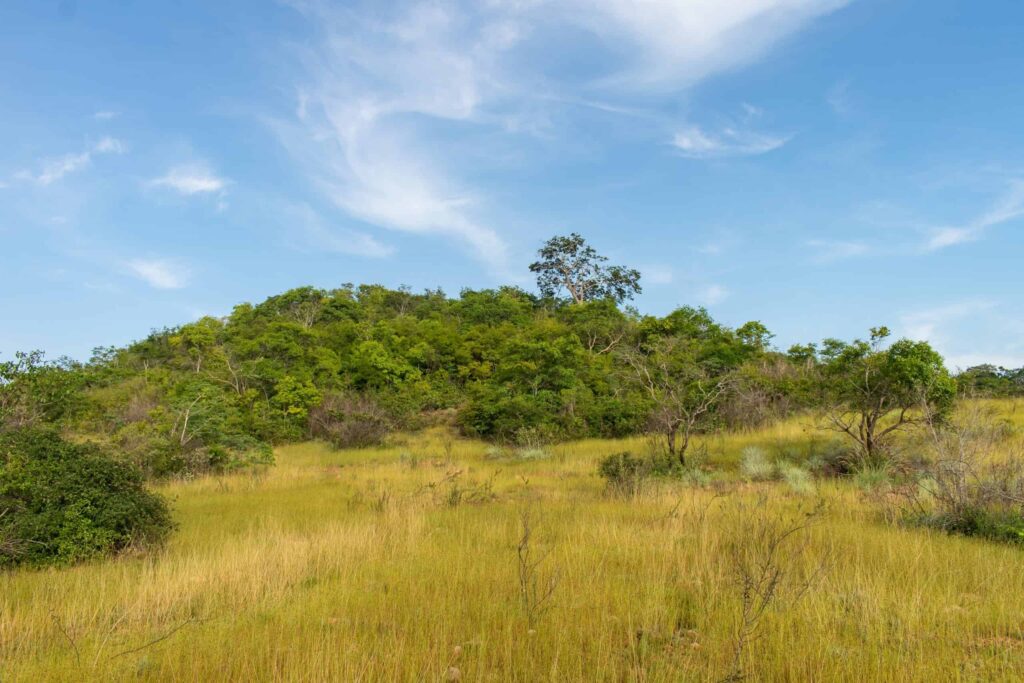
55, 169
159, 273
191, 179
400, 107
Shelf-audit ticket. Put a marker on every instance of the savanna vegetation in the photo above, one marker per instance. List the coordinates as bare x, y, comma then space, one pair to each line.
374, 484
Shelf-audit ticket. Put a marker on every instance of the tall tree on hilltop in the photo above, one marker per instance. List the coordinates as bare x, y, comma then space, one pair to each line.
570, 264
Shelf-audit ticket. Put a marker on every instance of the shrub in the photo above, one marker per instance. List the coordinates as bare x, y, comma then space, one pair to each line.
831, 459
237, 452
62, 503
349, 421
1006, 526
624, 472
963, 487
755, 466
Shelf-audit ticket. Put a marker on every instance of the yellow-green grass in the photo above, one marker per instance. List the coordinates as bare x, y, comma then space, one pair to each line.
364, 565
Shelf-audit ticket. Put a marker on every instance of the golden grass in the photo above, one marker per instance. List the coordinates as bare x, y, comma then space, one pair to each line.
349, 565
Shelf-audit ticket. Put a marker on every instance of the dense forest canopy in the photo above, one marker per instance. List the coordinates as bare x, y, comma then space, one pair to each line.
353, 363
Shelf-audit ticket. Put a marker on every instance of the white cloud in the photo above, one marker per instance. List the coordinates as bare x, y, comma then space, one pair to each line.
109, 145
55, 169
712, 294
314, 234
827, 251
923, 325
668, 43
1008, 207
358, 132
696, 143
399, 105
962, 361
969, 332
191, 179
159, 273
105, 115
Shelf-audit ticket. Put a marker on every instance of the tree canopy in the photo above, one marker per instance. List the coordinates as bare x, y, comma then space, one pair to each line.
351, 363
571, 265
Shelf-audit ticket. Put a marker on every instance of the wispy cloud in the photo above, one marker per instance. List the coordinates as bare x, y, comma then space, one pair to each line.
696, 143
191, 179
828, 251
399, 106
969, 333
105, 115
55, 169
375, 80
1007, 208
159, 273
923, 325
314, 233
668, 43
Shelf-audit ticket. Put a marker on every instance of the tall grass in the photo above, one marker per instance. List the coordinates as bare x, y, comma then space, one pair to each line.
362, 565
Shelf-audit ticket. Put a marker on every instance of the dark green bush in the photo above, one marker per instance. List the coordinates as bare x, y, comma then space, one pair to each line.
1006, 526
62, 503
626, 473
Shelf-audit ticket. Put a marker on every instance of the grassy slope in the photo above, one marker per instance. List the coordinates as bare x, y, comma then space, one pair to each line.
348, 566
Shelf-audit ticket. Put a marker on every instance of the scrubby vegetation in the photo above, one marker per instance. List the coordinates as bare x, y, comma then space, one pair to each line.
511, 487
352, 364
61, 503
403, 562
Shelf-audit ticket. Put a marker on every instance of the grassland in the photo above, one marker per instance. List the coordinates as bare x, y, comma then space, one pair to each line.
401, 564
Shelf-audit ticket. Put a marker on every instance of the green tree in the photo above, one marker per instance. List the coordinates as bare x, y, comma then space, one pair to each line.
570, 264
870, 392
683, 389
34, 391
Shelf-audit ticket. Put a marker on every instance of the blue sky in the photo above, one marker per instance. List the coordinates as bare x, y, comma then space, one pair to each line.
820, 165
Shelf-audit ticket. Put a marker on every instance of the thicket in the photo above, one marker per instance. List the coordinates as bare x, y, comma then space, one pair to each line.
351, 364
62, 502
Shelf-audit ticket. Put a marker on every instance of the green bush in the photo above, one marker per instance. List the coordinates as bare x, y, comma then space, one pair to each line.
624, 472
831, 459
1006, 526
62, 503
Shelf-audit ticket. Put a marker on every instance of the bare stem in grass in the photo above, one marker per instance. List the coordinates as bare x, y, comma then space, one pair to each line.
535, 587
155, 640
767, 558
67, 636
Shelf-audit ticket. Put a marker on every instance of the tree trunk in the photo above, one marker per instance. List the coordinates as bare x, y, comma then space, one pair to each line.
683, 448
